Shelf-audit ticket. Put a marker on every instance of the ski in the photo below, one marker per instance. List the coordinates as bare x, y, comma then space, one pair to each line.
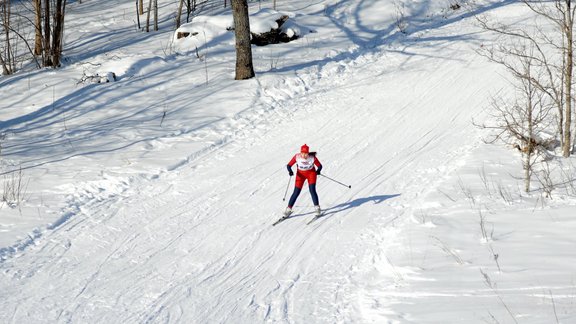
283, 218
315, 218
280, 220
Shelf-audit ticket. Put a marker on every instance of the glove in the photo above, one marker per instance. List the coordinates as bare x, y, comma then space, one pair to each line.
319, 170
290, 170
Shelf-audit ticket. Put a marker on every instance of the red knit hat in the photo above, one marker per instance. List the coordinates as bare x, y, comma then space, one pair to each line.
304, 149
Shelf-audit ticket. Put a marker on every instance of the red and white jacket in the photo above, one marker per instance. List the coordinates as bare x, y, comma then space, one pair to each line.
305, 163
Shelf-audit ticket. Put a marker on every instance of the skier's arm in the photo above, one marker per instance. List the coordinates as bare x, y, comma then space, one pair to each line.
290, 164
318, 165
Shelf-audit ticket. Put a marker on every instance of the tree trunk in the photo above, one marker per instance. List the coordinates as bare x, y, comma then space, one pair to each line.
140, 7
38, 27
190, 7
155, 15
569, 53
244, 67
179, 13
527, 172
138, 14
5, 69
530, 120
47, 49
148, 16
57, 40
7, 63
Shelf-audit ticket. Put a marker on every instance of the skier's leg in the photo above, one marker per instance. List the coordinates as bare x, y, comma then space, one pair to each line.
314, 195
297, 189
294, 196
312, 177
312, 185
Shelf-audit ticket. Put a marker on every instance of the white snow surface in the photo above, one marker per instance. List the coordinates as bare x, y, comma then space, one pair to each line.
150, 199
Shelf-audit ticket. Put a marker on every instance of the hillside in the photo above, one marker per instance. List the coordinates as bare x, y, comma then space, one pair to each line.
150, 199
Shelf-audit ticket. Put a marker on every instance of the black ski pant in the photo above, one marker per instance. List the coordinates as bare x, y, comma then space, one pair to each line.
297, 191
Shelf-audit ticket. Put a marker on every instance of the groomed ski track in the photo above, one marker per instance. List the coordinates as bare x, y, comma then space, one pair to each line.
196, 245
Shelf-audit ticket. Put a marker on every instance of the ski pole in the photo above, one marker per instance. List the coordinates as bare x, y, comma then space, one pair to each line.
338, 182
288, 186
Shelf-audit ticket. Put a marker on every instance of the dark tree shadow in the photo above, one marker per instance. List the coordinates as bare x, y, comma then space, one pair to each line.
371, 38
42, 136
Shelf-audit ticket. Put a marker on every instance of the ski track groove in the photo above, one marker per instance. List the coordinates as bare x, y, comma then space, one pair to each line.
291, 242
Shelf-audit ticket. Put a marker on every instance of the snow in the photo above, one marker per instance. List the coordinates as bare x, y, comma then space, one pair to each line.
204, 31
151, 199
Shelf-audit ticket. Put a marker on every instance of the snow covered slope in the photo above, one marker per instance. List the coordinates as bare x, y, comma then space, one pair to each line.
160, 189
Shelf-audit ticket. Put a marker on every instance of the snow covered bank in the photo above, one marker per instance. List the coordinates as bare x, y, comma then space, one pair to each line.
151, 199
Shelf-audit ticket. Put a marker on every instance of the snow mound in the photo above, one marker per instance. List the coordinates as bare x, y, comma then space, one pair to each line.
207, 31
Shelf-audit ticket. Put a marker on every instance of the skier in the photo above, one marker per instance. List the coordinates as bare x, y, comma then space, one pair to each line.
305, 162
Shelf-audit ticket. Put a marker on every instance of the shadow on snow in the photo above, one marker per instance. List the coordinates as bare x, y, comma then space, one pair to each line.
44, 135
351, 204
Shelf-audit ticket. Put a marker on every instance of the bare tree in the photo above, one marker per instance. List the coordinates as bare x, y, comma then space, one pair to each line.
152, 5
58, 32
562, 14
44, 19
522, 123
552, 53
148, 16
155, 15
5, 69
179, 13
139, 11
244, 65
14, 27
190, 8
49, 30
46, 35
7, 54
38, 39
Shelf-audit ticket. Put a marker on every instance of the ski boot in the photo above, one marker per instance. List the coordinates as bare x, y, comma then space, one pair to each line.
318, 211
